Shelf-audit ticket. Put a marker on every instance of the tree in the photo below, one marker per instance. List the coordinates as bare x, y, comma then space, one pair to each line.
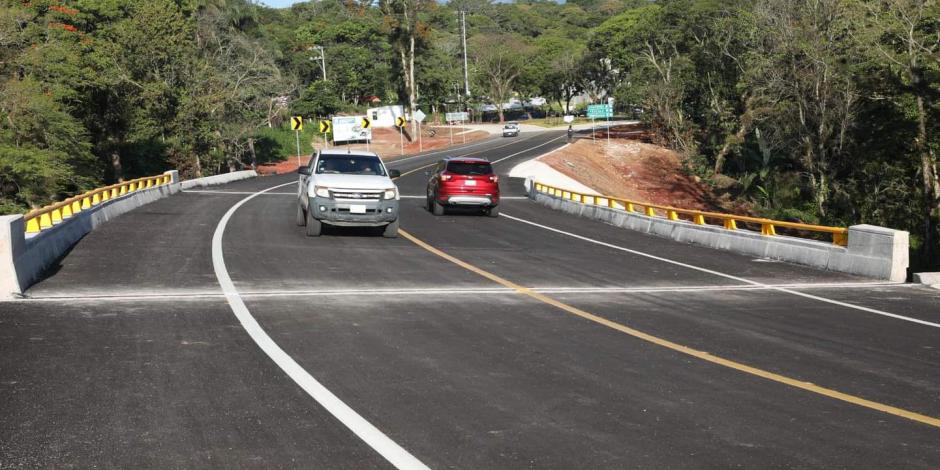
406, 31
319, 99
905, 36
498, 61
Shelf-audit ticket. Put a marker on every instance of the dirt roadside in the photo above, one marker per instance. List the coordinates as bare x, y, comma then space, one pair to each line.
636, 170
387, 144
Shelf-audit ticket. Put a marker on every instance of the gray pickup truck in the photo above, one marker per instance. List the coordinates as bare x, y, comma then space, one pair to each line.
349, 189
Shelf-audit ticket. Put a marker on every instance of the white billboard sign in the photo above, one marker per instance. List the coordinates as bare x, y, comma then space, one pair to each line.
451, 117
348, 128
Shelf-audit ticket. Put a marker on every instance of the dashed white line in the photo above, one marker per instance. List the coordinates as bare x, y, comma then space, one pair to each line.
724, 275
387, 448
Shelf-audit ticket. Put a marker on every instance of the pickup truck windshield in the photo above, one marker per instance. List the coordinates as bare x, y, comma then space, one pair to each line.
350, 165
469, 168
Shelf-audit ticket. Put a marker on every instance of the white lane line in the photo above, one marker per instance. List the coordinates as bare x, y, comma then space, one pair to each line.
384, 292
459, 149
502, 198
528, 149
395, 454
727, 276
188, 191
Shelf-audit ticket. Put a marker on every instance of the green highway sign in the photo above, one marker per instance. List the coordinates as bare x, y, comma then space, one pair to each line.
600, 111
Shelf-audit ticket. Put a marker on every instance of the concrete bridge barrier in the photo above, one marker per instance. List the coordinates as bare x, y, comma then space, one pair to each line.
864, 250
24, 257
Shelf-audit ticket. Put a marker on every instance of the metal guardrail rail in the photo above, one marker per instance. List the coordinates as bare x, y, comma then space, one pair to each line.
840, 235
54, 214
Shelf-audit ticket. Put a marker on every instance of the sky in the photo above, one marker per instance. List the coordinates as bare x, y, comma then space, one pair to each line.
280, 3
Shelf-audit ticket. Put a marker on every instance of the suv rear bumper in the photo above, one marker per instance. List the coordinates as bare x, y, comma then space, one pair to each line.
337, 212
470, 200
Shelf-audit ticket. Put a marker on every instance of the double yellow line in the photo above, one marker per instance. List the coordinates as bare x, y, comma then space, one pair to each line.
810, 387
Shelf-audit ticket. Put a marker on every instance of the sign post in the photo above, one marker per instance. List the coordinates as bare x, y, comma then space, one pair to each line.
297, 125
400, 124
460, 117
326, 126
366, 124
602, 111
419, 116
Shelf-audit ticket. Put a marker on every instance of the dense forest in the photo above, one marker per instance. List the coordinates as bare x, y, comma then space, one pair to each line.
823, 111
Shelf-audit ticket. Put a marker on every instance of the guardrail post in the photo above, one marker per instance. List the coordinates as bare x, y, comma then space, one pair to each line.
672, 215
95, 199
767, 229
731, 224
56, 215
650, 212
699, 219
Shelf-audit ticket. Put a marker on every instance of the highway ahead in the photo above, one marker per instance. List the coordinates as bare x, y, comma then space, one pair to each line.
532, 340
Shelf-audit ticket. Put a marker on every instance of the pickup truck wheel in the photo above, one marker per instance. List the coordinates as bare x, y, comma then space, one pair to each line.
436, 207
314, 226
301, 216
391, 230
493, 211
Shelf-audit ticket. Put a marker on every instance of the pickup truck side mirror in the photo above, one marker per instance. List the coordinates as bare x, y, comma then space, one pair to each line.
394, 174
304, 170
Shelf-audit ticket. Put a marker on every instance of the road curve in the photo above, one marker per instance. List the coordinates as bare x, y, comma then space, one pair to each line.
129, 353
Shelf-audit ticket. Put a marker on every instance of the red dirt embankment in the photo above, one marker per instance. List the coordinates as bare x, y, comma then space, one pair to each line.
387, 144
637, 171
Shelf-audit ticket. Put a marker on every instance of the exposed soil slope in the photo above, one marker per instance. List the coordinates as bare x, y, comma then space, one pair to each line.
638, 171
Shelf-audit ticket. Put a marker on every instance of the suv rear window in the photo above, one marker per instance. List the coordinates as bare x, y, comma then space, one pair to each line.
469, 168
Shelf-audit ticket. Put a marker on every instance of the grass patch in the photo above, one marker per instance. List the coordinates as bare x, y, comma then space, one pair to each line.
278, 144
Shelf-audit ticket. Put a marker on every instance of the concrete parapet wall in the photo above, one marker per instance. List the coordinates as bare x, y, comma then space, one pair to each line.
218, 179
24, 259
875, 252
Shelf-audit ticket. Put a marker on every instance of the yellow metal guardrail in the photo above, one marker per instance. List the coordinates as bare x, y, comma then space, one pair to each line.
840, 235
54, 214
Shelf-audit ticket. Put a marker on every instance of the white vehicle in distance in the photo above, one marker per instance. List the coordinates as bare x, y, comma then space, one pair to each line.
511, 129
347, 189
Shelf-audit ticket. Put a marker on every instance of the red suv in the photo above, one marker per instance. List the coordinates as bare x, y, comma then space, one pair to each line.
468, 182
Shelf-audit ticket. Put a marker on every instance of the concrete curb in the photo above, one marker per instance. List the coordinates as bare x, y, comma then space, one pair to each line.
23, 259
928, 279
875, 252
218, 179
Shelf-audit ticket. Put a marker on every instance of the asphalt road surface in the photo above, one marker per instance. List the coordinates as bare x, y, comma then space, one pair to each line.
206, 330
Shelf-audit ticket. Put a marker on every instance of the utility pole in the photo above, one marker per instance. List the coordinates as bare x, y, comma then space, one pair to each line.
322, 60
463, 35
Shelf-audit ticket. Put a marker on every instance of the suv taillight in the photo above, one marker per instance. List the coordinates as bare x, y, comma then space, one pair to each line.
445, 177
494, 178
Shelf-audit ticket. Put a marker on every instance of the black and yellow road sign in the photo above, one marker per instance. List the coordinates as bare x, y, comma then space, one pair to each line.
366, 123
297, 123
400, 121
326, 126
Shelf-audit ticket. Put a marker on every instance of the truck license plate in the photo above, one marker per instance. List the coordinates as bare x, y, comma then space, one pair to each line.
357, 209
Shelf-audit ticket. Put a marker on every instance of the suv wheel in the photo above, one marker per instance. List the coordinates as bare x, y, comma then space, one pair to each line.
436, 207
314, 226
493, 211
391, 230
301, 216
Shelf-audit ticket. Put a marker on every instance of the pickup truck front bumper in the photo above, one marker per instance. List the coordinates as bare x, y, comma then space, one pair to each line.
344, 212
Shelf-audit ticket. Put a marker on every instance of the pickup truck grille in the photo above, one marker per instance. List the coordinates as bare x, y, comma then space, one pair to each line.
357, 195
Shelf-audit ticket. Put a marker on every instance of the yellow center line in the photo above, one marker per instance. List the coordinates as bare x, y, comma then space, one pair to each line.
810, 387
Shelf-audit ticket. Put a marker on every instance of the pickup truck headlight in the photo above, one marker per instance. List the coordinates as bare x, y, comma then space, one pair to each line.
390, 193
321, 191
